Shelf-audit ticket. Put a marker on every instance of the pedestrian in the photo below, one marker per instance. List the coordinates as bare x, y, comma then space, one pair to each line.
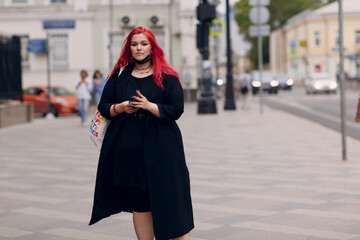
357, 117
142, 168
83, 87
245, 88
98, 86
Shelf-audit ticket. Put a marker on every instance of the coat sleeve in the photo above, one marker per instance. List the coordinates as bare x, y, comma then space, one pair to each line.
173, 107
107, 98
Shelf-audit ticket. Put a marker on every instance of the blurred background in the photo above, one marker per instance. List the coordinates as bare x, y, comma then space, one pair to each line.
88, 34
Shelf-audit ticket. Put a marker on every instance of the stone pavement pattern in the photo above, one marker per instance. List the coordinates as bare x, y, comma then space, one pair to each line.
260, 177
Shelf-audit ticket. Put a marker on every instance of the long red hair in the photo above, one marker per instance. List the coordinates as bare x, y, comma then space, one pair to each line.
160, 65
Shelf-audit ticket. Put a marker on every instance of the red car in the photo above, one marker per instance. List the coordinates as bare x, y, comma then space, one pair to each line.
62, 101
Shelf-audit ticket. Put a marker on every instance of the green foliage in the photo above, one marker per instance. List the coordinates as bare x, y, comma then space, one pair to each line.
280, 11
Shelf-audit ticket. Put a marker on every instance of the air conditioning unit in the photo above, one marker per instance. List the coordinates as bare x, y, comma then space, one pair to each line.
127, 21
156, 21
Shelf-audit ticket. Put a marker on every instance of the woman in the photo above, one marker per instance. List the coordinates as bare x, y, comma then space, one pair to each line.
142, 165
99, 83
83, 88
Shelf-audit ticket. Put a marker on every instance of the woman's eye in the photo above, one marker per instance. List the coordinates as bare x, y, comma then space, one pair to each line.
133, 44
144, 44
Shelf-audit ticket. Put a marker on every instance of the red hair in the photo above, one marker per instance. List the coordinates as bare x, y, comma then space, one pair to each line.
160, 65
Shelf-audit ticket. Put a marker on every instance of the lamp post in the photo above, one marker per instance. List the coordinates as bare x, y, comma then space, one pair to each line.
170, 10
341, 76
205, 13
229, 101
111, 19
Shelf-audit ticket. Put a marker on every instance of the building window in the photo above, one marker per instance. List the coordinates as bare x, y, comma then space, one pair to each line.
317, 39
357, 37
59, 51
24, 40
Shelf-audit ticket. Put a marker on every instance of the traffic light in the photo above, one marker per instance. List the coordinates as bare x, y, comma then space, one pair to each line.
205, 14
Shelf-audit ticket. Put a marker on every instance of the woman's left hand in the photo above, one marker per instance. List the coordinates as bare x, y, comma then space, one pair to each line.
142, 101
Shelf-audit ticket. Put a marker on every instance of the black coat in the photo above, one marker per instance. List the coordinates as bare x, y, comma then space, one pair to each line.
166, 170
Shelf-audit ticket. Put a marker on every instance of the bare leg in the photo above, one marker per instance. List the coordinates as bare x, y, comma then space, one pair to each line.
143, 224
183, 237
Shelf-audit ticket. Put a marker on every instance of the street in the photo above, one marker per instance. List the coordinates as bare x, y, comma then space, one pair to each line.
253, 176
321, 108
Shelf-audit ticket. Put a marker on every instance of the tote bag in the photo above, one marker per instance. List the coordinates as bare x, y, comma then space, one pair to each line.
98, 126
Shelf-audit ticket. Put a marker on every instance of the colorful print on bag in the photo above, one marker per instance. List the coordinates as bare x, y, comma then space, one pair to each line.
98, 128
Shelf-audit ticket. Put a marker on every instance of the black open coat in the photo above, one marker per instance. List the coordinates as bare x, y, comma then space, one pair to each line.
166, 170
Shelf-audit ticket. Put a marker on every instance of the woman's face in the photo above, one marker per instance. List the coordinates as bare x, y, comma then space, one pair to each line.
140, 46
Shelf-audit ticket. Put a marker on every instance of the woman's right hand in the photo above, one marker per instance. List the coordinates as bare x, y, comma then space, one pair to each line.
125, 106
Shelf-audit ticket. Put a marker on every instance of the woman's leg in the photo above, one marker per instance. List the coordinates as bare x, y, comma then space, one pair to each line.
183, 237
143, 224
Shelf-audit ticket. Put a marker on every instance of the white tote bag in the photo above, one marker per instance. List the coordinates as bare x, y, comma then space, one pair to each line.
98, 127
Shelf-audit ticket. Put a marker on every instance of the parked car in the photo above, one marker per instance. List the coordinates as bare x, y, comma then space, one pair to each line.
62, 101
269, 84
285, 82
320, 83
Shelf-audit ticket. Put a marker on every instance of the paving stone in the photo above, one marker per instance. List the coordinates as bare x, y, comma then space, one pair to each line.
259, 177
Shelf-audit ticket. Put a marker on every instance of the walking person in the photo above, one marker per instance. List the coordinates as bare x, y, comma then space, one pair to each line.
142, 168
245, 88
83, 88
99, 84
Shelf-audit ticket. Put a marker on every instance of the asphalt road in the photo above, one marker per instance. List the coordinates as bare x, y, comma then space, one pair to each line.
321, 108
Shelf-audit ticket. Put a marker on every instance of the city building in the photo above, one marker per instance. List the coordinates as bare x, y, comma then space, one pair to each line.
309, 42
88, 34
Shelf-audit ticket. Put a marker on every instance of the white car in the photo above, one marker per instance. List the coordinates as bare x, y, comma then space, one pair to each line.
320, 83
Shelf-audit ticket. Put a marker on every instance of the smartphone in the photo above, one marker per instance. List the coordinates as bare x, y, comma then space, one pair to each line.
131, 100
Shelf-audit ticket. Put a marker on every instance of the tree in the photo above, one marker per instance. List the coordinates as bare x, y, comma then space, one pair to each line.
280, 12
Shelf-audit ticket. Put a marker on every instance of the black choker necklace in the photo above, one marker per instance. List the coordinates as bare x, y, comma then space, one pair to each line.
146, 59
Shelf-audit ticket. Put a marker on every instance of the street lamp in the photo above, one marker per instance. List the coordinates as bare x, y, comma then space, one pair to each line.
229, 101
205, 14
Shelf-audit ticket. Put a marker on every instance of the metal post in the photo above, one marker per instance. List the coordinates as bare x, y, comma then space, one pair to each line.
229, 101
206, 103
260, 60
48, 69
170, 31
111, 16
341, 78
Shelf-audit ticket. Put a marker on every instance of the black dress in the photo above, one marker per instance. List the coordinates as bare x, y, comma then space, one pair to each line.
129, 166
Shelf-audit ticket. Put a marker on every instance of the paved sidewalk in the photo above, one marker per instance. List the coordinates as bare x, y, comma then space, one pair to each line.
272, 176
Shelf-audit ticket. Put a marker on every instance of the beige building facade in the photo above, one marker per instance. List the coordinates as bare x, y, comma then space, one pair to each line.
309, 42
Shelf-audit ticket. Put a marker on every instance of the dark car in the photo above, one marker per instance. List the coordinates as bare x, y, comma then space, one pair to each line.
285, 82
269, 84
